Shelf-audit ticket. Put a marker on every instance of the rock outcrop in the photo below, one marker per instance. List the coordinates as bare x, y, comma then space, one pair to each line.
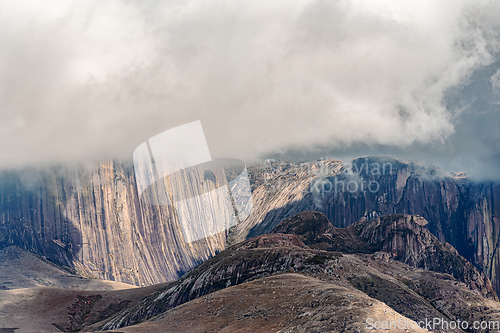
399, 237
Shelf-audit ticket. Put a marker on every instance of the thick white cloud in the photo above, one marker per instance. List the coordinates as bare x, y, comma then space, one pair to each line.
79, 79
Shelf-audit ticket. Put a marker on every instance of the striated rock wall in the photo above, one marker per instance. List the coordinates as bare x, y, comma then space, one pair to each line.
90, 218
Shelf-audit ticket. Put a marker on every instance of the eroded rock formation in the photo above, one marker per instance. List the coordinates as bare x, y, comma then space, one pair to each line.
90, 218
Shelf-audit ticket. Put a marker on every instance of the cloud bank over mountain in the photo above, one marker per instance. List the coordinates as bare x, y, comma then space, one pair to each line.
79, 80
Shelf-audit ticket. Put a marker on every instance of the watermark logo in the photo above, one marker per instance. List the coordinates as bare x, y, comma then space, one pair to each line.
432, 324
328, 178
175, 169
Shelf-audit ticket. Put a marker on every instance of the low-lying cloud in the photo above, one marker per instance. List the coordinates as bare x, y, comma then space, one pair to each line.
84, 79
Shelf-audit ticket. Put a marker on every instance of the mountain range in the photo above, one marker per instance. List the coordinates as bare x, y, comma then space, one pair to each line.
90, 218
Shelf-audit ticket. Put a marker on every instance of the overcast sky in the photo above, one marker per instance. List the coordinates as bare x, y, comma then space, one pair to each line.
79, 79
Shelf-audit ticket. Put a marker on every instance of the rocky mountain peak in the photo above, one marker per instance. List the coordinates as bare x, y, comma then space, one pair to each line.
307, 224
403, 237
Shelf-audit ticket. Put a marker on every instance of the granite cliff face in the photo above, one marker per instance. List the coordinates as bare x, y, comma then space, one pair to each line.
91, 218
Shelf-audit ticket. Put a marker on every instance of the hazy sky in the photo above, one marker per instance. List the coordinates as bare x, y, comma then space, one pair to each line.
417, 78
